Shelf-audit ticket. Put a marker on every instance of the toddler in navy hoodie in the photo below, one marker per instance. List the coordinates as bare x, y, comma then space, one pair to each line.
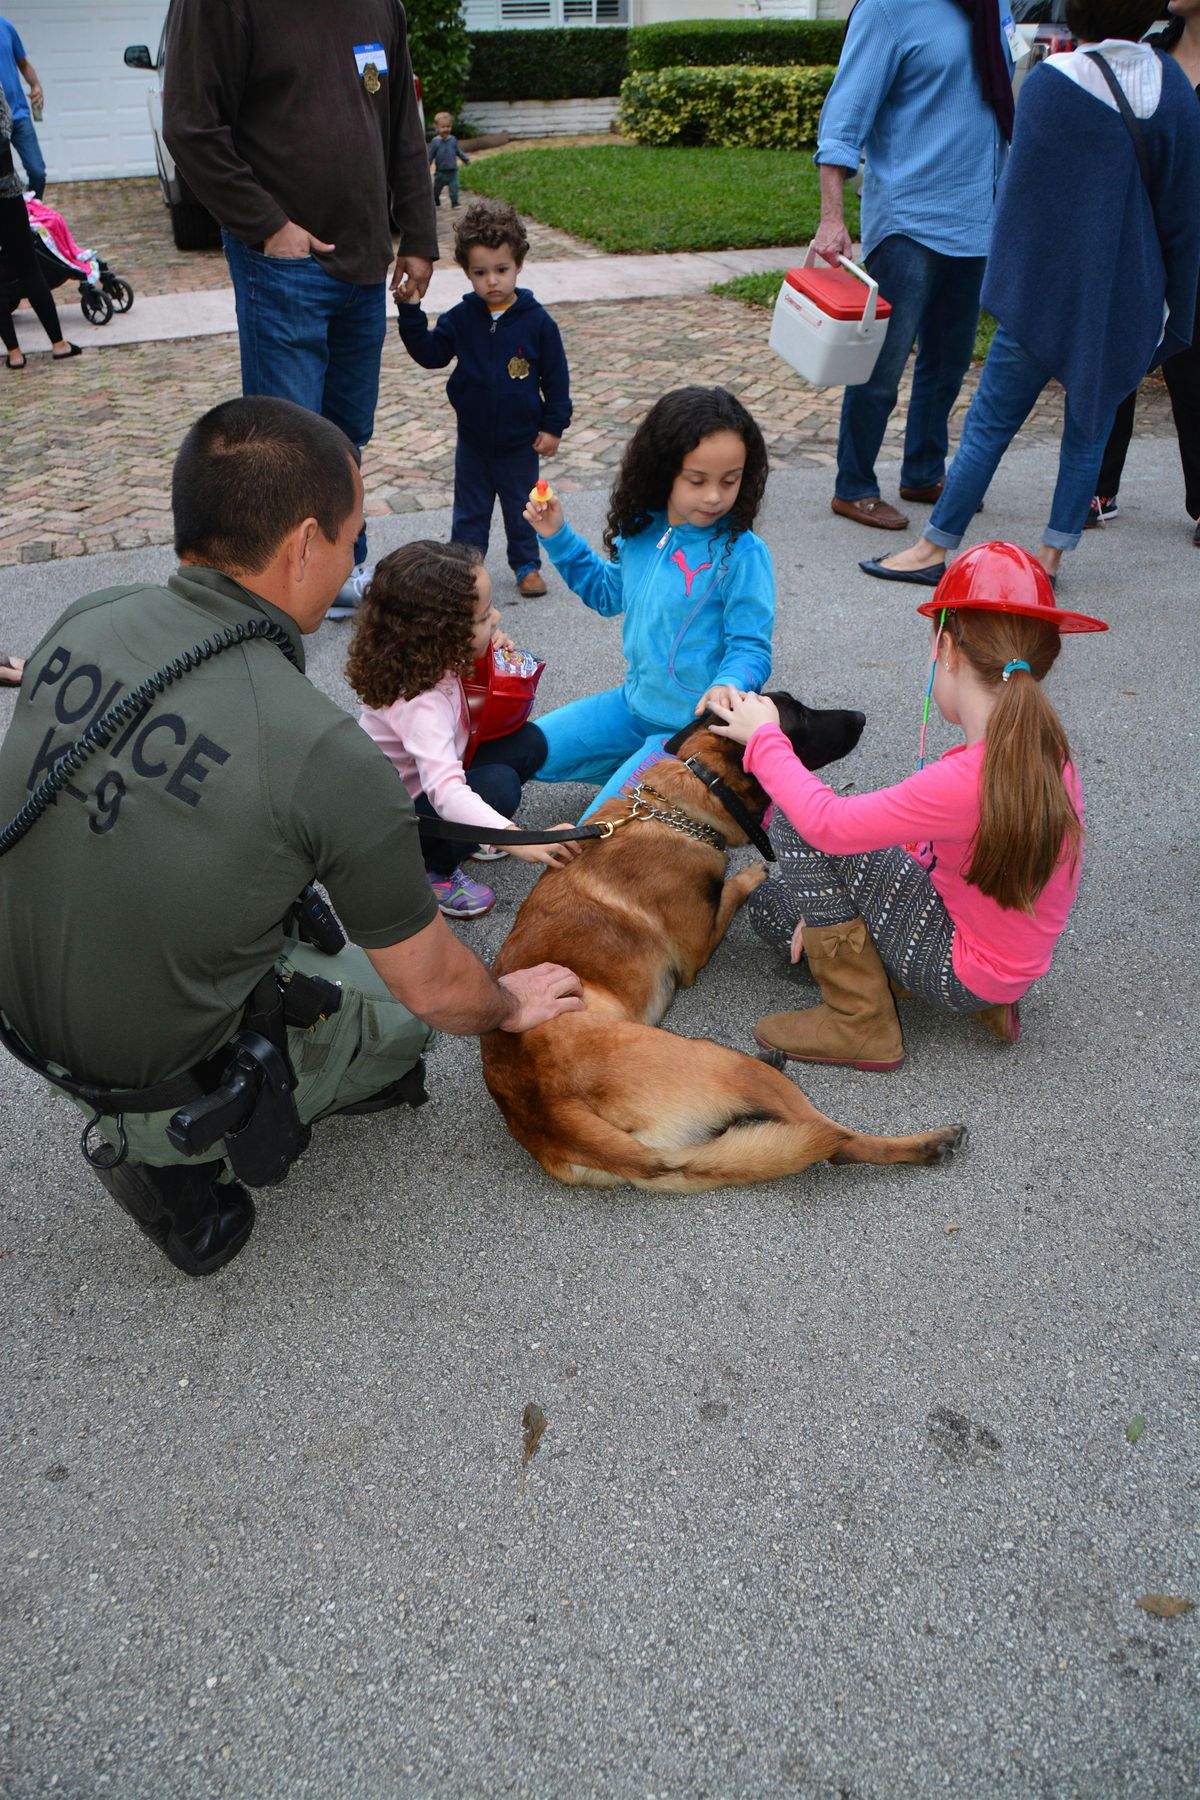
510, 388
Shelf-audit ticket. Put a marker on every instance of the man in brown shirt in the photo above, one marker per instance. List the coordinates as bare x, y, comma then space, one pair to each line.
296, 123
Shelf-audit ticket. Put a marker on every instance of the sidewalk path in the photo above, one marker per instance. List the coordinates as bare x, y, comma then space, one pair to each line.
89, 445
209, 312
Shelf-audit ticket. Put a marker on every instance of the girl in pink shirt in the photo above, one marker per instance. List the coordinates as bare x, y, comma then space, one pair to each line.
957, 882
425, 619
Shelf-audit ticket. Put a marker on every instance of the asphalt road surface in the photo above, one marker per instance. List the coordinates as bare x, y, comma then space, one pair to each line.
836, 1496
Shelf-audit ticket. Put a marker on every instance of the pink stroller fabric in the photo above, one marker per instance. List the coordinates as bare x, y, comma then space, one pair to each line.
53, 230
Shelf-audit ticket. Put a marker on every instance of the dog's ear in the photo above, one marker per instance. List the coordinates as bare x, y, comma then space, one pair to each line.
818, 737
675, 744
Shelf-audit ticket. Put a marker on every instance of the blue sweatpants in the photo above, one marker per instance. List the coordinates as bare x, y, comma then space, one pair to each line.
599, 739
480, 478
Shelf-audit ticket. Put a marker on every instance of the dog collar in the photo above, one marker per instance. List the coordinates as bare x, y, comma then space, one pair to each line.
721, 790
674, 817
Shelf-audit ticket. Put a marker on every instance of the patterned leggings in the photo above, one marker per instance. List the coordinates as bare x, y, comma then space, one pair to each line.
905, 914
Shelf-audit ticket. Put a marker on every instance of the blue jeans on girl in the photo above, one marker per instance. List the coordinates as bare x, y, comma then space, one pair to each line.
498, 773
1010, 383
308, 337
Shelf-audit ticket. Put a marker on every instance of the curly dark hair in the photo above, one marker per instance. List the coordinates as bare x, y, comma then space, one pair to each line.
489, 225
654, 456
415, 622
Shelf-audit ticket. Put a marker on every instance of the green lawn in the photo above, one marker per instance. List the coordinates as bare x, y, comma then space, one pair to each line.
631, 197
760, 290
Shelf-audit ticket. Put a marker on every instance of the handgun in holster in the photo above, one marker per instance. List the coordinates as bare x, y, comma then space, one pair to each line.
253, 1108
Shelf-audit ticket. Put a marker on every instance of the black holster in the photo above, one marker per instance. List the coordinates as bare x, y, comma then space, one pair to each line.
253, 1108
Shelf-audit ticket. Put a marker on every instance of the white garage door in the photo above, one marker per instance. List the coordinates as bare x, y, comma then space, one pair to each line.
96, 121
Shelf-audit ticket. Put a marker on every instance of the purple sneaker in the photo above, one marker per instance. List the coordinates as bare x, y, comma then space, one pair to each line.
459, 897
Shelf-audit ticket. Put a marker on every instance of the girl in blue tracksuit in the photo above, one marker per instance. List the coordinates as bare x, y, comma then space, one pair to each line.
694, 584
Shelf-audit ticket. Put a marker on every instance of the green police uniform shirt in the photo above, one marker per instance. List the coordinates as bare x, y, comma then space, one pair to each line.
145, 903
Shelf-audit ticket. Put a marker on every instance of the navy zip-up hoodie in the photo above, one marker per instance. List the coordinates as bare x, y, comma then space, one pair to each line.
511, 380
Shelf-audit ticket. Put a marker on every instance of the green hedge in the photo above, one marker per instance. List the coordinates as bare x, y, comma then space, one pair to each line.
570, 62
718, 43
760, 109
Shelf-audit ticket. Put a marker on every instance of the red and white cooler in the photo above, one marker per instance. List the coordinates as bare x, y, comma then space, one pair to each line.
829, 324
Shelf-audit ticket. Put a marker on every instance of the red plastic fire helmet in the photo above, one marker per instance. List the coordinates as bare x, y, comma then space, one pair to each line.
1000, 577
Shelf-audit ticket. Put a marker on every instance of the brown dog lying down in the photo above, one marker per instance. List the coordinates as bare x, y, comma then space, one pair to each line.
601, 1096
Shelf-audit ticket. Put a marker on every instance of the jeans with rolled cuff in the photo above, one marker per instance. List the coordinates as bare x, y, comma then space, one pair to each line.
1009, 386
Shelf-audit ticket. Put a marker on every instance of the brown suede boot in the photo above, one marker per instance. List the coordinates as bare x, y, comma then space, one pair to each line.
856, 1022
1002, 1020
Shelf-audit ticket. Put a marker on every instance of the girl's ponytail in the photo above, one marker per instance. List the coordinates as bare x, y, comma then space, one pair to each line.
1028, 824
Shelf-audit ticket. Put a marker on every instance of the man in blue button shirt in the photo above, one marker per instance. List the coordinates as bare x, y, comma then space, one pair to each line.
24, 137
924, 91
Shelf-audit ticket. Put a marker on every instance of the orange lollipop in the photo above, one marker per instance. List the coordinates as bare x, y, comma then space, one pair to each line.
541, 491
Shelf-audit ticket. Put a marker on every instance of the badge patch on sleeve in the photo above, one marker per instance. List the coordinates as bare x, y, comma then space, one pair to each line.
371, 62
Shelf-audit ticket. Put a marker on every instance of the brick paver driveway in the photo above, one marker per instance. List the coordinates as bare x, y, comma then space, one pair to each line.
89, 444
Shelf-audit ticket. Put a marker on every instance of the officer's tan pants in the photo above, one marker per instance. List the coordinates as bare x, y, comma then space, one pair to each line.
368, 1043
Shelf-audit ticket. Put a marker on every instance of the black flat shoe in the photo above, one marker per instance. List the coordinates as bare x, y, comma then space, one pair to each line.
917, 577
65, 356
16, 367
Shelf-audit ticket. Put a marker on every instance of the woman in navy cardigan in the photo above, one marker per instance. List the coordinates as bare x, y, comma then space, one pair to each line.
1091, 280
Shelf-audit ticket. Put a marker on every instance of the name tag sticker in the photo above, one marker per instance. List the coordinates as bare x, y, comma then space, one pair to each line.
1017, 46
370, 55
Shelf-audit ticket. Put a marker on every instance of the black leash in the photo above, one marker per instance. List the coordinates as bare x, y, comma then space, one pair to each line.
720, 789
471, 834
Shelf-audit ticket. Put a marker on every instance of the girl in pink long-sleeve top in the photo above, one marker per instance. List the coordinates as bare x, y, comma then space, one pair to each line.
957, 882
425, 619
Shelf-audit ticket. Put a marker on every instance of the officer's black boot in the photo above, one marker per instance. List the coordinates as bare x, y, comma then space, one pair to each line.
197, 1222
409, 1090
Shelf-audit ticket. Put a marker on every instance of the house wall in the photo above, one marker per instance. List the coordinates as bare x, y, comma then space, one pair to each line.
96, 122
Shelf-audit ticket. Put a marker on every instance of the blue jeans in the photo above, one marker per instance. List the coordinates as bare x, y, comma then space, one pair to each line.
1010, 383
500, 769
25, 143
935, 302
308, 337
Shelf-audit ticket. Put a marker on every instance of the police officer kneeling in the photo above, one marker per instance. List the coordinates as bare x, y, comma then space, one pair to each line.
150, 963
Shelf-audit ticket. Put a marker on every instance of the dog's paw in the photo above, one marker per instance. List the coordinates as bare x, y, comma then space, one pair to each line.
751, 877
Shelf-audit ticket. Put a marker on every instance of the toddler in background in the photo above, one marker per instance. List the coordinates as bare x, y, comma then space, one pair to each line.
510, 390
425, 618
444, 158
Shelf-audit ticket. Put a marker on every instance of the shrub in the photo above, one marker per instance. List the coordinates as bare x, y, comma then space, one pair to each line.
762, 109
437, 43
718, 43
571, 62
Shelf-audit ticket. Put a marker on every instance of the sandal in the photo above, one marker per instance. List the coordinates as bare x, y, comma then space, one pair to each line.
11, 668
15, 366
65, 355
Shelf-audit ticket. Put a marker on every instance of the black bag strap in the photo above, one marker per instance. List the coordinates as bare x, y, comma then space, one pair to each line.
1128, 115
